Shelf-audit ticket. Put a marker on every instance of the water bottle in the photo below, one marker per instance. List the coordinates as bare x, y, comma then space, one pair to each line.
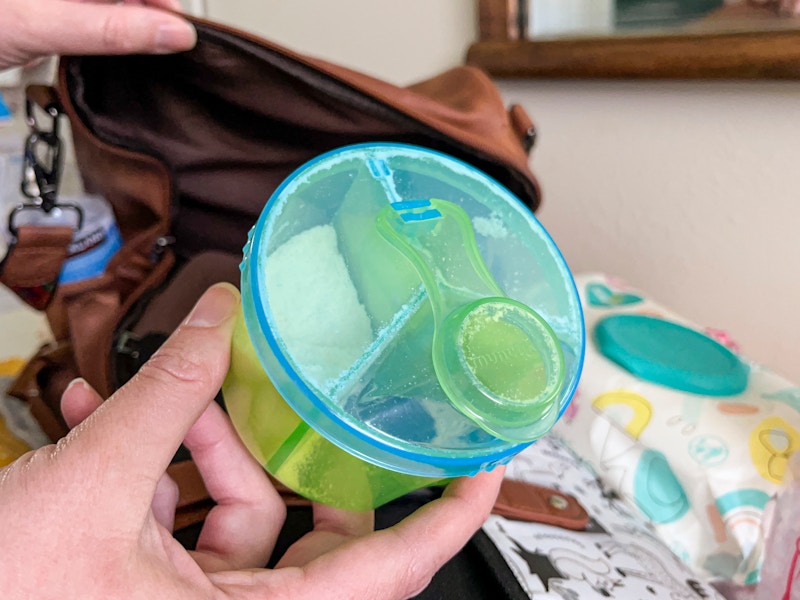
96, 238
94, 243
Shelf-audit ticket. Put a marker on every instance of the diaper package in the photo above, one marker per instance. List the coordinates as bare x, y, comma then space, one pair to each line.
693, 435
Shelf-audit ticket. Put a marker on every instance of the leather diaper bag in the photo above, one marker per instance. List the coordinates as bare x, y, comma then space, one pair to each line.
187, 149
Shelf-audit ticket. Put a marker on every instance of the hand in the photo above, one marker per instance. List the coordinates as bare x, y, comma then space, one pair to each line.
785, 7
91, 517
31, 29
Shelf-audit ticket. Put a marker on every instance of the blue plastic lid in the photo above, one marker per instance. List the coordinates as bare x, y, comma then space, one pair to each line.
360, 258
671, 355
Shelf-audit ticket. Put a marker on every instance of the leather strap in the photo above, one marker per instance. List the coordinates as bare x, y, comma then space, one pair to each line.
528, 502
44, 96
517, 500
33, 263
54, 364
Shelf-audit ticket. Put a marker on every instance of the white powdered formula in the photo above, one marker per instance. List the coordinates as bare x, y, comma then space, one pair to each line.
319, 317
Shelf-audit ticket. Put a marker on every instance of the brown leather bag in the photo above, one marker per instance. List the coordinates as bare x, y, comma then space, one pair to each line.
187, 149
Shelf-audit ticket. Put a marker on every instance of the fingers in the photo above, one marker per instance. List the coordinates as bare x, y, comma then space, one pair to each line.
58, 27
394, 563
174, 5
785, 7
167, 4
78, 402
165, 499
135, 433
332, 528
241, 530
400, 561
790, 7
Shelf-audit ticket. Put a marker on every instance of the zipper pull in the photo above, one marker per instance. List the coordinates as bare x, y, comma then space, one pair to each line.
160, 247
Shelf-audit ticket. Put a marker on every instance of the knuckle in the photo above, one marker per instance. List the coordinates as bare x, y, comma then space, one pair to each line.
43, 470
417, 573
19, 467
115, 34
416, 579
170, 367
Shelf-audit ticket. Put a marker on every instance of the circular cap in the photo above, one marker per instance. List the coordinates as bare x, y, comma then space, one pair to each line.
671, 355
500, 363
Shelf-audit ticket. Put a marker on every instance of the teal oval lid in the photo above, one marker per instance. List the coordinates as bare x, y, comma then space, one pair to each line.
671, 355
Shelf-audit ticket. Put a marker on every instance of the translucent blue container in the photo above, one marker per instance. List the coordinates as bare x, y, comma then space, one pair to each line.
405, 319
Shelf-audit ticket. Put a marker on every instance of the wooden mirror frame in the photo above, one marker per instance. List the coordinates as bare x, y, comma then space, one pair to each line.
503, 51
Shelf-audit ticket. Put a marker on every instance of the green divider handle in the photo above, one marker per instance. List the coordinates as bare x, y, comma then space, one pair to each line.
497, 359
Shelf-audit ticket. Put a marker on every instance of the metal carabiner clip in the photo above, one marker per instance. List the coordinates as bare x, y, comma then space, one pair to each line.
42, 160
41, 169
20, 208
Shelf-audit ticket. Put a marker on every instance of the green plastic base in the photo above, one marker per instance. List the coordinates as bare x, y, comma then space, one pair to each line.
292, 451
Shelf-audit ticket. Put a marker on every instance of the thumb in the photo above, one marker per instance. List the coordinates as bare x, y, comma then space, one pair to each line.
135, 432
79, 28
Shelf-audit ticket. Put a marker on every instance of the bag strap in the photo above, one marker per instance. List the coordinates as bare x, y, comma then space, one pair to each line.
34, 260
524, 501
55, 365
33, 263
517, 500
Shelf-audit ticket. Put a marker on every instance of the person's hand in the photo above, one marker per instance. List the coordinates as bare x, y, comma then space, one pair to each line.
91, 517
785, 7
31, 29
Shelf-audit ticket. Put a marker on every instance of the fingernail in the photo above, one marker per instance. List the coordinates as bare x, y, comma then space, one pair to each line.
218, 304
77, 382
175, 35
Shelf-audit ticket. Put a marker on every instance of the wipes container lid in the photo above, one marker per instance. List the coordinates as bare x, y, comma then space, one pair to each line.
412, 310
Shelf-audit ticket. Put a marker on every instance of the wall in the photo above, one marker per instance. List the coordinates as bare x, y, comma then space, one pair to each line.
397, 40
687, 190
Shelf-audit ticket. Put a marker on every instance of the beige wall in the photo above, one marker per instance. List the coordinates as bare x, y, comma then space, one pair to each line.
400, 40
689, 190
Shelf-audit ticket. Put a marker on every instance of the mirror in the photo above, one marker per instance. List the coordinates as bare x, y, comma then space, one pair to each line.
677, 39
